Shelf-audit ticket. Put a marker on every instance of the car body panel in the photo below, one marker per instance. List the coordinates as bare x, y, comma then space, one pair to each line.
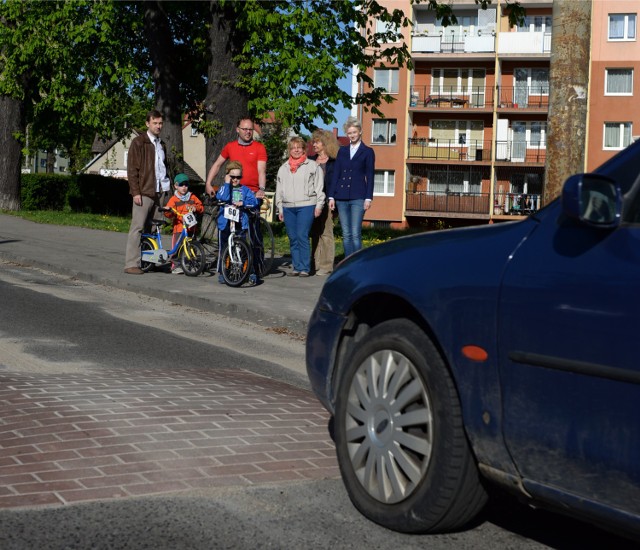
554, 302
569, 383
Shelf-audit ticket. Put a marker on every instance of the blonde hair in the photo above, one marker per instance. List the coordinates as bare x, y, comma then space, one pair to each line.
299, 140
233, 165
328, 140
352, 122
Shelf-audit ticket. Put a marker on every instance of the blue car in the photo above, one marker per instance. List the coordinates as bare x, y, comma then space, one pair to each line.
507, 354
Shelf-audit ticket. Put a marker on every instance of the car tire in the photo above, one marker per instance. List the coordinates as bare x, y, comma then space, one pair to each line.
400, 440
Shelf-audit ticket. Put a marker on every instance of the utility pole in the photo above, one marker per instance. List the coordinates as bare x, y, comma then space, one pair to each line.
569, 86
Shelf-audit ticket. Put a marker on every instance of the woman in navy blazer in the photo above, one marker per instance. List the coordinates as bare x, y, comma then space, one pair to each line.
351, 185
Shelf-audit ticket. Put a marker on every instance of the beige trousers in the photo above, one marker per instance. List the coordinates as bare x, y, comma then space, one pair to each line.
323, 246
140, 216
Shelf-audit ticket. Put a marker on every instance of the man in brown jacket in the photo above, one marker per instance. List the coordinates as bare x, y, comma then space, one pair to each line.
149, 185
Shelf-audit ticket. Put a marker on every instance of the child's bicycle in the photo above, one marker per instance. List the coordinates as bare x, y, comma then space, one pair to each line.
187, 249
209, 236
236, 258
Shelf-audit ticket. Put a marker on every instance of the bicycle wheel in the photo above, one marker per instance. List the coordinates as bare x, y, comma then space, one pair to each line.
268, 247
236, 262
192, 258
146, 245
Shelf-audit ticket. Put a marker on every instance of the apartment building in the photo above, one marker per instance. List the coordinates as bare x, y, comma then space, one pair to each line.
465, 141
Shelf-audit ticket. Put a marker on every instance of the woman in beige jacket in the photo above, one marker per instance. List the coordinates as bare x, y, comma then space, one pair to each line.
299, 199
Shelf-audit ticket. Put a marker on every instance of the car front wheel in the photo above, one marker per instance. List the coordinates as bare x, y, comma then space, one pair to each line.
401, 445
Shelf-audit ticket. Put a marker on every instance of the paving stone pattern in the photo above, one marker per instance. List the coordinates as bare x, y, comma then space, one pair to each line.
112, 434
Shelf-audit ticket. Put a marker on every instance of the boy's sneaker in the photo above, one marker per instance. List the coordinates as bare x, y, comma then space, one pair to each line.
177, 270
253, 279
221, 279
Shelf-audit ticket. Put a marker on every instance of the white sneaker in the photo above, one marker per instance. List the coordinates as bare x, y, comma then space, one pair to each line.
177, 270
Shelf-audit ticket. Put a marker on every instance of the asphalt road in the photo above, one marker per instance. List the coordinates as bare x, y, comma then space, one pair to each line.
57, 333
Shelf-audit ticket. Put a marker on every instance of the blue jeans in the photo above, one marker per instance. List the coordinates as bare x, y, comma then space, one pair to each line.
351, 214
297, 221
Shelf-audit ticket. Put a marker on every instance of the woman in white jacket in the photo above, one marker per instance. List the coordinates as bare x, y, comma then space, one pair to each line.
299, 199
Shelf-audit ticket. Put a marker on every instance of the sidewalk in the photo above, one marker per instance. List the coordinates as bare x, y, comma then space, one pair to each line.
98, 257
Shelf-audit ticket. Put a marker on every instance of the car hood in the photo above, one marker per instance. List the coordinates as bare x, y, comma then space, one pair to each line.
428, 268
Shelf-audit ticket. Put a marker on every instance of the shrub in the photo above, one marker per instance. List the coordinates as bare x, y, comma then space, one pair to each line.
43, 191
99, 195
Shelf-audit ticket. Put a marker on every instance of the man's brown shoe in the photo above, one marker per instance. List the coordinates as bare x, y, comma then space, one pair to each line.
133, 271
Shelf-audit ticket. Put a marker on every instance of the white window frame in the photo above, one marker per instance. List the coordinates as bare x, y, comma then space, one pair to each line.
389, 185
606, 81
194, 131
461, 128
626, 17
384, 78
464, 80
390, 124
126, 156
621, 142
536, 23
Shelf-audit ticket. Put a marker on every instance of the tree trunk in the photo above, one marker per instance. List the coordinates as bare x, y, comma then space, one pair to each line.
12, 124
51, 161
167, 88
568, 101
224, 103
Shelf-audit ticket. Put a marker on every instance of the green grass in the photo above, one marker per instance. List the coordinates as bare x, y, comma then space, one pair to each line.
370, 235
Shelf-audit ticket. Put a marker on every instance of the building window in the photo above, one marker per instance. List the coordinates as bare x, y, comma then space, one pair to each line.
618, 82
126, 156
458, 82
384, 131
444, 181
452, 133
194, 131
622, 26
617, 135
536, 23
387, 79
384, 182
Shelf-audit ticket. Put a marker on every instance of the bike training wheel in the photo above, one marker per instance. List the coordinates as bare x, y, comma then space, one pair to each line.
147, 245
192, 258
268, 246
236, 263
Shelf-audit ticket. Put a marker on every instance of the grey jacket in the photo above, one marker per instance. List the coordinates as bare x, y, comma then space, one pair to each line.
304, 188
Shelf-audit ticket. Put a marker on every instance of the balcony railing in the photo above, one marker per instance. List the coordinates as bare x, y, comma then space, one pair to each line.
520, 151
454, 203
450, 149
524, 42
453, 43
476, 97
516, 204
524, 97
504, 204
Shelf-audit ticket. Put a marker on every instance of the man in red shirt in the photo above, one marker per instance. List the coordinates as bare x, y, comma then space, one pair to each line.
251, 154
253, 157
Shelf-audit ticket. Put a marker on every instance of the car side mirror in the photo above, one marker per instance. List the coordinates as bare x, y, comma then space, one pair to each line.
592, 199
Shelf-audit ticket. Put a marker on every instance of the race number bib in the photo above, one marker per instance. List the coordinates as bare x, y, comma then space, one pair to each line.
189, 219
232, 213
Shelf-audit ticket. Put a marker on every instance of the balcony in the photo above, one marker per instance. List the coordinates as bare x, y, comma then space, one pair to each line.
520, 151
515, 204
534, 98
471, 204
477, 97
520, 43
444, 42
450, 149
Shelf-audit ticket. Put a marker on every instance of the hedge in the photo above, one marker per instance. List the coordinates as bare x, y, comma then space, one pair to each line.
76, 193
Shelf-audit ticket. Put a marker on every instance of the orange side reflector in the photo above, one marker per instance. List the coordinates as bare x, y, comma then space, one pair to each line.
475, 353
